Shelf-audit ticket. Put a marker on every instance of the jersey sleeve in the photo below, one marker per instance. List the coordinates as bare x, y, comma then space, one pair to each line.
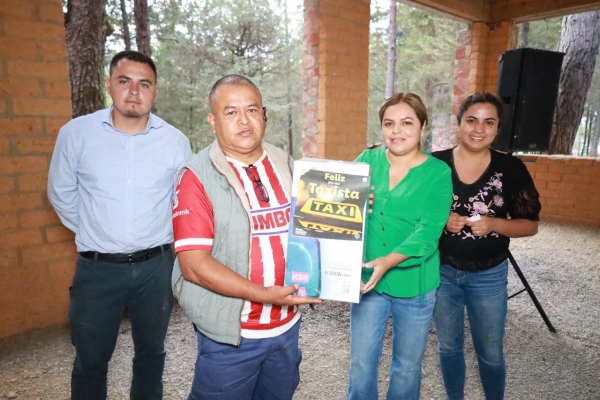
193, 221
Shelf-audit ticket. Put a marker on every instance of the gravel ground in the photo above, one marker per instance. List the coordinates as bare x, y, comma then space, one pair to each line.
560, 264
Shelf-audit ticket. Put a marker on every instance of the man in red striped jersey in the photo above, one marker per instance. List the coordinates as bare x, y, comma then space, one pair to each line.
230, 223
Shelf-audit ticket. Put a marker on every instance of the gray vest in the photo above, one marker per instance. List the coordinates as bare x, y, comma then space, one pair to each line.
217, 316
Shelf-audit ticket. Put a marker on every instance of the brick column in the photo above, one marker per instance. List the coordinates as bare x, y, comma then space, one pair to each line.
336, 83
477, 70
488, 43
310, 79
36, 252
462, 75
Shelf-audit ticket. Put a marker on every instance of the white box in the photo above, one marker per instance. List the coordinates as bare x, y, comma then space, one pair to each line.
327, 223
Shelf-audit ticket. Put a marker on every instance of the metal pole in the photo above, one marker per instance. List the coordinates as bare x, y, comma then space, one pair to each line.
530, 292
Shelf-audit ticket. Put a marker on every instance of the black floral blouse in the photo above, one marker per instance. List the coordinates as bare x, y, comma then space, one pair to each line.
504, 190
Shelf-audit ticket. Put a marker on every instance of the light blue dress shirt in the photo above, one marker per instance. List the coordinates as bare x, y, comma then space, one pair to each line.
115, 190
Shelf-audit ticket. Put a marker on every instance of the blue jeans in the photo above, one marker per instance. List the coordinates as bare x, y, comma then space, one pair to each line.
484, 294
258, 369
411, 320
99, 294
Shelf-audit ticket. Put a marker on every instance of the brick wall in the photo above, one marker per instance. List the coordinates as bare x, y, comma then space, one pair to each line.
569, 188
338, 78
36, 253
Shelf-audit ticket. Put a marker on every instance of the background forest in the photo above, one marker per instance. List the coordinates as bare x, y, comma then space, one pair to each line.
196, 42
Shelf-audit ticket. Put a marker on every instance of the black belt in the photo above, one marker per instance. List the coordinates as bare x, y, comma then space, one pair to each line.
123, 258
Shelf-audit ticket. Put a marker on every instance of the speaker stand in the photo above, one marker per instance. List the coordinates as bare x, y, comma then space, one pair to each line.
530, 292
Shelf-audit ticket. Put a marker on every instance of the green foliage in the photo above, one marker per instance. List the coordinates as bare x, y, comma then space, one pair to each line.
199, 42
114, 42
425, 64
543, 34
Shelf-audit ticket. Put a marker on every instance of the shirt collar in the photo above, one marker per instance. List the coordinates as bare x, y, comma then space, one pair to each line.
153, 121
241, 164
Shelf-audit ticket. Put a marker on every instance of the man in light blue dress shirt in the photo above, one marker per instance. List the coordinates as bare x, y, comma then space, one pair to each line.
111, 182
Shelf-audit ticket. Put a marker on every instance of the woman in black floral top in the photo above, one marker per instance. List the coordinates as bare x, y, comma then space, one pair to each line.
494, 200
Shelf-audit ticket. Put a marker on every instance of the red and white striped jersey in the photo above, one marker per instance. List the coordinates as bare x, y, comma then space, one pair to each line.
193, 227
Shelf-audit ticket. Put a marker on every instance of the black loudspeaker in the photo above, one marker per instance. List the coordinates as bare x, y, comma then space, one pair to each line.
528, 86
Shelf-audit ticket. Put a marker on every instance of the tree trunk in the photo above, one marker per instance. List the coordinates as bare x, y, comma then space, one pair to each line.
126, 34
142, 27
525, 34
579, 41
86, 30
589, 116
595, 139
391, 64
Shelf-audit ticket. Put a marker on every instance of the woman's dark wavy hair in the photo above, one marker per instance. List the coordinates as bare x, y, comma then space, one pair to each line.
479, 98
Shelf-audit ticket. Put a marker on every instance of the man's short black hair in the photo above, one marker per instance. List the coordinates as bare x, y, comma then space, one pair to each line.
132, 55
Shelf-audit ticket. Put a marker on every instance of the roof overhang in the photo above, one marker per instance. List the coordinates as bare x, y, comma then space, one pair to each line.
494, 11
